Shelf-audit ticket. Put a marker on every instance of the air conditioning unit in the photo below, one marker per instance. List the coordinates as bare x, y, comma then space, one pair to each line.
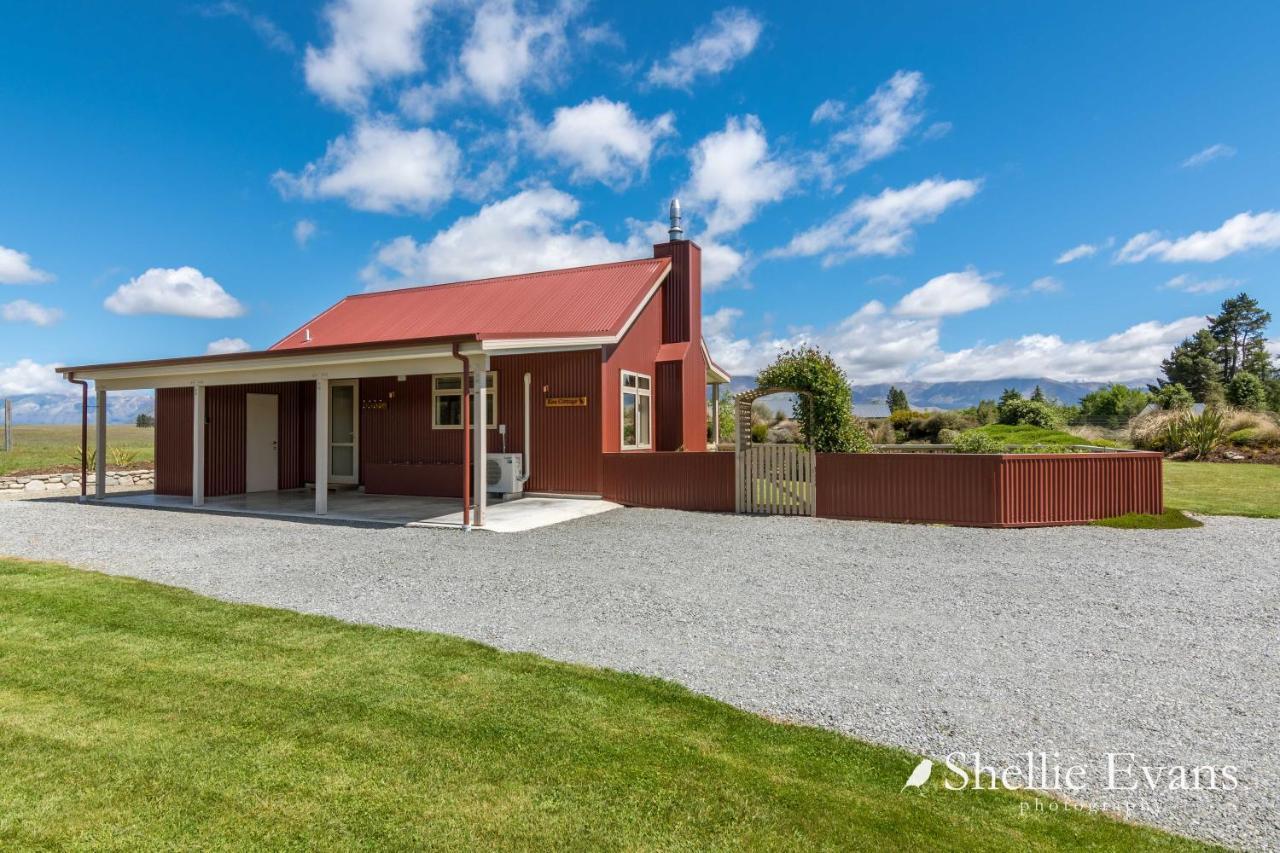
504, 471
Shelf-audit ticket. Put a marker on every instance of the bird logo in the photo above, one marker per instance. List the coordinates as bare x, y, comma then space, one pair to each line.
920, 775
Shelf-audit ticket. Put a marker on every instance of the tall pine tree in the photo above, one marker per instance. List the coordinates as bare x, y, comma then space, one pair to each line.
1233, 343
1239, 331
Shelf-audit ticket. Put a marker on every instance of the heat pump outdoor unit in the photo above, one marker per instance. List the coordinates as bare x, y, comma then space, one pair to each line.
504, 473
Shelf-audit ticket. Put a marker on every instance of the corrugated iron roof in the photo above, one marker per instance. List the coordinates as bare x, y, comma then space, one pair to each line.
582, 302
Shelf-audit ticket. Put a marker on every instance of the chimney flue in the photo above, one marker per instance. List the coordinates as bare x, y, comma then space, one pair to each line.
676, 232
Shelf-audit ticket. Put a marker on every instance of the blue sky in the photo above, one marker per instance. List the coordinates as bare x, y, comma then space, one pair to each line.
896, 182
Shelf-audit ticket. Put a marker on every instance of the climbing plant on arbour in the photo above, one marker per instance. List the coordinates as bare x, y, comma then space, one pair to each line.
827, 419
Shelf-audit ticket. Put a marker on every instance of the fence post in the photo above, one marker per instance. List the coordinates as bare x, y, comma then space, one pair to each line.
8, 425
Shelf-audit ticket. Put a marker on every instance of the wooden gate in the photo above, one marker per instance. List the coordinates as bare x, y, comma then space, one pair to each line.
776, 479
771, 479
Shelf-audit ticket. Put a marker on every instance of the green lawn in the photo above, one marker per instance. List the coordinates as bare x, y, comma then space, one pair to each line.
140, 716
39, 449
1218, 488
1171, 519
1025, 434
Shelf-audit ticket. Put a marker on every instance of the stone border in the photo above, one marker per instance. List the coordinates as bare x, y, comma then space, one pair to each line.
141, 478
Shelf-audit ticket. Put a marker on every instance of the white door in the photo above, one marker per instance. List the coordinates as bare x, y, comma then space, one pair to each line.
344, 431
262, 453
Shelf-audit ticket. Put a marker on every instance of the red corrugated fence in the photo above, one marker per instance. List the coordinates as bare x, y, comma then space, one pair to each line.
692, 481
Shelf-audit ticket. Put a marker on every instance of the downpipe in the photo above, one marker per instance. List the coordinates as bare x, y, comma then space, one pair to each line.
84, 435
527, 441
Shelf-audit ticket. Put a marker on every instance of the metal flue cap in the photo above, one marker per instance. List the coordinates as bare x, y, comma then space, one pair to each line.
676, 232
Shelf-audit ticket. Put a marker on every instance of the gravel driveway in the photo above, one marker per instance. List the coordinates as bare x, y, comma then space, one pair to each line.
1084, 641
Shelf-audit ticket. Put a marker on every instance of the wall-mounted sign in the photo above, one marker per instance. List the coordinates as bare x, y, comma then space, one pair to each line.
565, 402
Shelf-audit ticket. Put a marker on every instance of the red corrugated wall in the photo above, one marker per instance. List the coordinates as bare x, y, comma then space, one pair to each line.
225, 437
689, 481
1012, 490
566, 446
947, 489
173, 441
1077, 488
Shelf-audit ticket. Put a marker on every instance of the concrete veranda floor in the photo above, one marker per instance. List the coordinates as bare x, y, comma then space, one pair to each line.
354, 507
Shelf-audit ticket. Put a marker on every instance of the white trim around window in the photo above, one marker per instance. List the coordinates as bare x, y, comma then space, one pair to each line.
446, 400
636, 415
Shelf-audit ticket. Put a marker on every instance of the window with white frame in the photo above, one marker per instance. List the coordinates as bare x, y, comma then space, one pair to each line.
637, 411
446, 400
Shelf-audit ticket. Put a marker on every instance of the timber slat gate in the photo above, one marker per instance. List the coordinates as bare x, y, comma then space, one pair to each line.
776, 479
771, 479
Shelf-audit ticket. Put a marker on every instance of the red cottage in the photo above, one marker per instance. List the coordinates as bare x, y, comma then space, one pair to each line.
501, 385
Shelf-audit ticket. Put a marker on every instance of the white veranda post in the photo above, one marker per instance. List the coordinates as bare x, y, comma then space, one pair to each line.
322, 445
100, 443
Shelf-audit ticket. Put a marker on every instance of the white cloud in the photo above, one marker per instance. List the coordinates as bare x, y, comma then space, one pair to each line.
1190, 284
182, 292
506, 48
883, 224
1127, 356
222, 346
532, 230
1241, 233
29, 377
603, 140
372, 41
1084, 250
876, 345
731, 36
734, 173
828, 110
720, 263
1213, 152
950, 293
303, 231
22, 311
1046, 284
263, 27
15, 268
382, 168
882, 123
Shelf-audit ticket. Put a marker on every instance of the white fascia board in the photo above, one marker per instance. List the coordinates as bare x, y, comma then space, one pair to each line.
352, 365
713, 371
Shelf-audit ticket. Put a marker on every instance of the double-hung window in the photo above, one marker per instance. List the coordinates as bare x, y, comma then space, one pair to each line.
637, 411
446, 400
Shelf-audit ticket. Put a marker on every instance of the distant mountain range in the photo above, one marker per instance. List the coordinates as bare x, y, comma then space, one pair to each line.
868, 400
122, 408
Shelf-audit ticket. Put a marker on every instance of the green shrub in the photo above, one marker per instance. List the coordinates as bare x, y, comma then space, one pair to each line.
976, 441
90, 463
900, 418
986, 412
955, 421
947, 436
1018, 411
1173, 397
759, 433
1247, 437
1199, 434
1246, 391
826, 418
122, 457
1114, 406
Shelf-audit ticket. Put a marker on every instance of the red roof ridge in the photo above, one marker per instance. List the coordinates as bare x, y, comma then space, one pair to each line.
535, 274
